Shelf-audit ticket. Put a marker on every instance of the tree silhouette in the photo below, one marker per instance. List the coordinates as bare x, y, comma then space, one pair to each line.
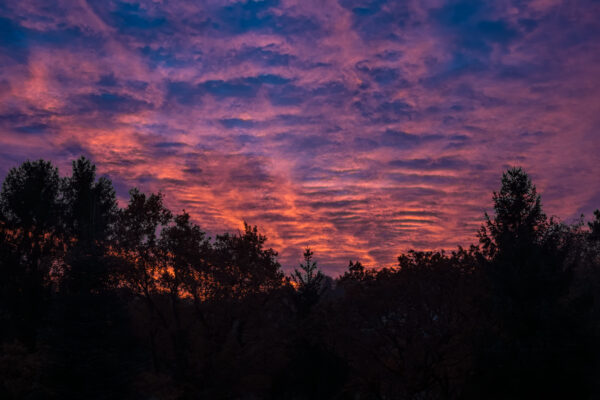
595, 226
355, 272
309, 280
90, 215
91, 205
98, 301
183, 254
136, 246
527, 252
518, 219
528, 269
30, 197
243, 265
31, 212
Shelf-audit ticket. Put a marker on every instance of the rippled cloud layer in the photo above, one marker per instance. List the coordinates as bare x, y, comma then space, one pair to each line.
358, 128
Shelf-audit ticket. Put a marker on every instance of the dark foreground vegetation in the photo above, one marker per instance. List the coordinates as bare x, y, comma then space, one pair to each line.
99, 302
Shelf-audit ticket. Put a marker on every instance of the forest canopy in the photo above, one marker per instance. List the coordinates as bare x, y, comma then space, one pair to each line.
102, 301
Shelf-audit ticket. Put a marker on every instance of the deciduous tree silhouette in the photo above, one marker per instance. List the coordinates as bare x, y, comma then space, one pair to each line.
184, 251
30, 198
356, 272
31, 212
137, 233
243, 265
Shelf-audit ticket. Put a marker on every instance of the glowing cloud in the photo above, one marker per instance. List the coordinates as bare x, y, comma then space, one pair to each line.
360, 129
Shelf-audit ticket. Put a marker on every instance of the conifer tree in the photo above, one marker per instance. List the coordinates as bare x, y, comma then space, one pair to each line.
309, 280
518, 220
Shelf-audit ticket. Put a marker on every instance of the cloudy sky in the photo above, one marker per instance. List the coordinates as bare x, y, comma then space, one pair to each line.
359, 128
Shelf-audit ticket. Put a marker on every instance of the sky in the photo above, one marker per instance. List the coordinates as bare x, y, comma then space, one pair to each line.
358, 128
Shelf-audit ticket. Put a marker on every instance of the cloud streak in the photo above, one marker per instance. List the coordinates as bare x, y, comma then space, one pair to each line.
358, 128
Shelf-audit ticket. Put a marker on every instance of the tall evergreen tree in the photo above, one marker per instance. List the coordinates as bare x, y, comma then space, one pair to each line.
527, 269
309, 280
518, 219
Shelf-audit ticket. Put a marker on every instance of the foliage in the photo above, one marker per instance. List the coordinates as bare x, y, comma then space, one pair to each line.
98, 301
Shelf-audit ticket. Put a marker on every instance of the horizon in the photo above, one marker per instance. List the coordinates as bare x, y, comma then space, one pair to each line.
360, 131
333, 271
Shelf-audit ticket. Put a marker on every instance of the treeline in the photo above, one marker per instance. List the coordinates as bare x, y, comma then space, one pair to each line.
102, 302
